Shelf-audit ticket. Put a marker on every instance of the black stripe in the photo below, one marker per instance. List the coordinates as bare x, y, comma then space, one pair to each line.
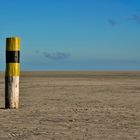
12, 56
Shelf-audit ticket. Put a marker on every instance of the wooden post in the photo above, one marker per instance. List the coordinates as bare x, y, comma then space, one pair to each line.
12, 73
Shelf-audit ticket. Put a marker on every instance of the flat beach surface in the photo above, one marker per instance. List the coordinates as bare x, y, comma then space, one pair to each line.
74, 106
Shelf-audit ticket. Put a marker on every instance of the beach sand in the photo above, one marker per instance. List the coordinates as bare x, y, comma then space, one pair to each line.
74, 106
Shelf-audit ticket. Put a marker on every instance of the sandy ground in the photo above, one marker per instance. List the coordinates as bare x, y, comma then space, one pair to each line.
74, 106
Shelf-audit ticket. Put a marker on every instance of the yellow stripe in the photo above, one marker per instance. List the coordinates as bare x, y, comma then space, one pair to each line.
13, 44
12, 69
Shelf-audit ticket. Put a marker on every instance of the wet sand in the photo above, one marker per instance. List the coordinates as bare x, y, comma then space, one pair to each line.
74, 106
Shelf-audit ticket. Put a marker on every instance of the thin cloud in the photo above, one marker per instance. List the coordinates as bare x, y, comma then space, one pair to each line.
135, 18
56, 56
112, 22
37, 52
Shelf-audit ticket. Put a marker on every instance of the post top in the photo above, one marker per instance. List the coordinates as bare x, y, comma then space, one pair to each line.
13, 37
12, 43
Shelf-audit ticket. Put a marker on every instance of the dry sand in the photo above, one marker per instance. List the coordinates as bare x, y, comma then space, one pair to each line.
74, 106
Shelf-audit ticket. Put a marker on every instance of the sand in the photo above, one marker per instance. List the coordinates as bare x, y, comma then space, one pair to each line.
74, 106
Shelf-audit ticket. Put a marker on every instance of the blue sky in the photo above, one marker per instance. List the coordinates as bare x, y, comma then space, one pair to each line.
73, 34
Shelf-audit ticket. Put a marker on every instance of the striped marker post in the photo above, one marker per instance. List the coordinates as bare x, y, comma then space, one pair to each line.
12, 73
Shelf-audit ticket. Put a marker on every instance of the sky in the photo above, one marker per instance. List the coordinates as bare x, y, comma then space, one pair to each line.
73, 34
